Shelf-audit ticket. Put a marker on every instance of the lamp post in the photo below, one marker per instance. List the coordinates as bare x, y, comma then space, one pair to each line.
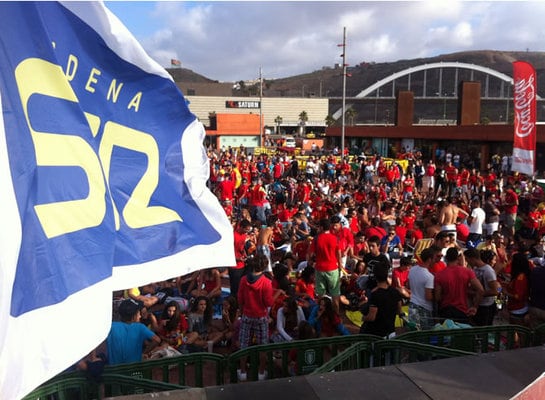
260, 107
343, 45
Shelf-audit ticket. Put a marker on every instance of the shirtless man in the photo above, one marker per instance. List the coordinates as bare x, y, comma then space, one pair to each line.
448, 215
265, 239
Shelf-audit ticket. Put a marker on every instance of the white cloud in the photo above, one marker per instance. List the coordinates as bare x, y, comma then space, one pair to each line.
230, 40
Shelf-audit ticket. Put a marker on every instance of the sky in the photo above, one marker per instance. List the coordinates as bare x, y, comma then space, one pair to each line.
232, 41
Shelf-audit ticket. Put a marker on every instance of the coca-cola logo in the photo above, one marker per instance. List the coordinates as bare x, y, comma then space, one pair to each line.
525, 95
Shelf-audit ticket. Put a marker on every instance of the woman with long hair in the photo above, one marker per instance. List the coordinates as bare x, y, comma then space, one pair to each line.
325, 320
172, 326
200, 319
288, 318
228, 325
518, 289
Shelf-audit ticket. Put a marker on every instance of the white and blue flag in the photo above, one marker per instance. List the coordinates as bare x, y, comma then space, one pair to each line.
103, 175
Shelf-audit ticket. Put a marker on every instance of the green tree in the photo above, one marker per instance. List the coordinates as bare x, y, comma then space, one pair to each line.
350, 114
303, 118
278, 120
330, 121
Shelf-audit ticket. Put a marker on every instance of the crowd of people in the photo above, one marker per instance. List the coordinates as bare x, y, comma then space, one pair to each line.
319, 237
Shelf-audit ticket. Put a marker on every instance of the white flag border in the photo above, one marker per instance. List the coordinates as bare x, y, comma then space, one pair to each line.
84, 312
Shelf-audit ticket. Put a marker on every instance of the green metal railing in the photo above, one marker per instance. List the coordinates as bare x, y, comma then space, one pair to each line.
63, 387
187, 369
482, 339
386, 352
309, 355
288, 359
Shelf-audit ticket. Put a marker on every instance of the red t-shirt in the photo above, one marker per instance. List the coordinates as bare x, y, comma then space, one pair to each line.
401, 275
300, 249
325, 246
375, 231
240, 252
306, 288
454, 282
226, 189
345, 238
511, 198
408, 185
437, 267
401, 231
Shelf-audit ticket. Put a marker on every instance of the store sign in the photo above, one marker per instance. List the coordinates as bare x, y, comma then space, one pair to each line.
242, 104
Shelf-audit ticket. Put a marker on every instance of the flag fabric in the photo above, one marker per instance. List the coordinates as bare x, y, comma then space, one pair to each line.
103, 176
524, 105
175, 63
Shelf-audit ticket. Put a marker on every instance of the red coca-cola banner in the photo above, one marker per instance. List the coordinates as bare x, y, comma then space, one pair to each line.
524, 100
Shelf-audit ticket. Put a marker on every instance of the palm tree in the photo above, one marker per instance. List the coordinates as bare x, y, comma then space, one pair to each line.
303, 118
350, 114
330, 121
278, 121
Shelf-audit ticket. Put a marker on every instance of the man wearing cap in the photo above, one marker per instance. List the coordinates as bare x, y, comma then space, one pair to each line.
128, 336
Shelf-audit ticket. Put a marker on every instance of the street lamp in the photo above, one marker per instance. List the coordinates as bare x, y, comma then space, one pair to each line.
343, 45
261, 107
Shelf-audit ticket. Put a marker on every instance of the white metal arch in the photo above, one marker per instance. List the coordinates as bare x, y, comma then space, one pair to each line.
423, 67
397, 75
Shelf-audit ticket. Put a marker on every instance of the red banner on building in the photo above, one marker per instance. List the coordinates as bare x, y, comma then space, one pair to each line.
524, 99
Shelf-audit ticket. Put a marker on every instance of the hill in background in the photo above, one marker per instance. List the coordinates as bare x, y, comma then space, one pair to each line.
327, 82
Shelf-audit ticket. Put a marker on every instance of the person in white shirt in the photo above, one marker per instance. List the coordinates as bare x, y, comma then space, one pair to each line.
476, 221
288, 318
421, 284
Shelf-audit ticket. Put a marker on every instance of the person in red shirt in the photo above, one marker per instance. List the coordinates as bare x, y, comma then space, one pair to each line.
464, 180
325, 248
409, 218
228, 208
375, 229
400, 276
300, 249
345, 238
256, 200
408, 187
278, 170
242, 193
452, 289
390, 175
532, 221
476, 181
319, 210
401, 230
510, 208
303, 192
451, 175
240, 236
255, 297
442, 241
226, 187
